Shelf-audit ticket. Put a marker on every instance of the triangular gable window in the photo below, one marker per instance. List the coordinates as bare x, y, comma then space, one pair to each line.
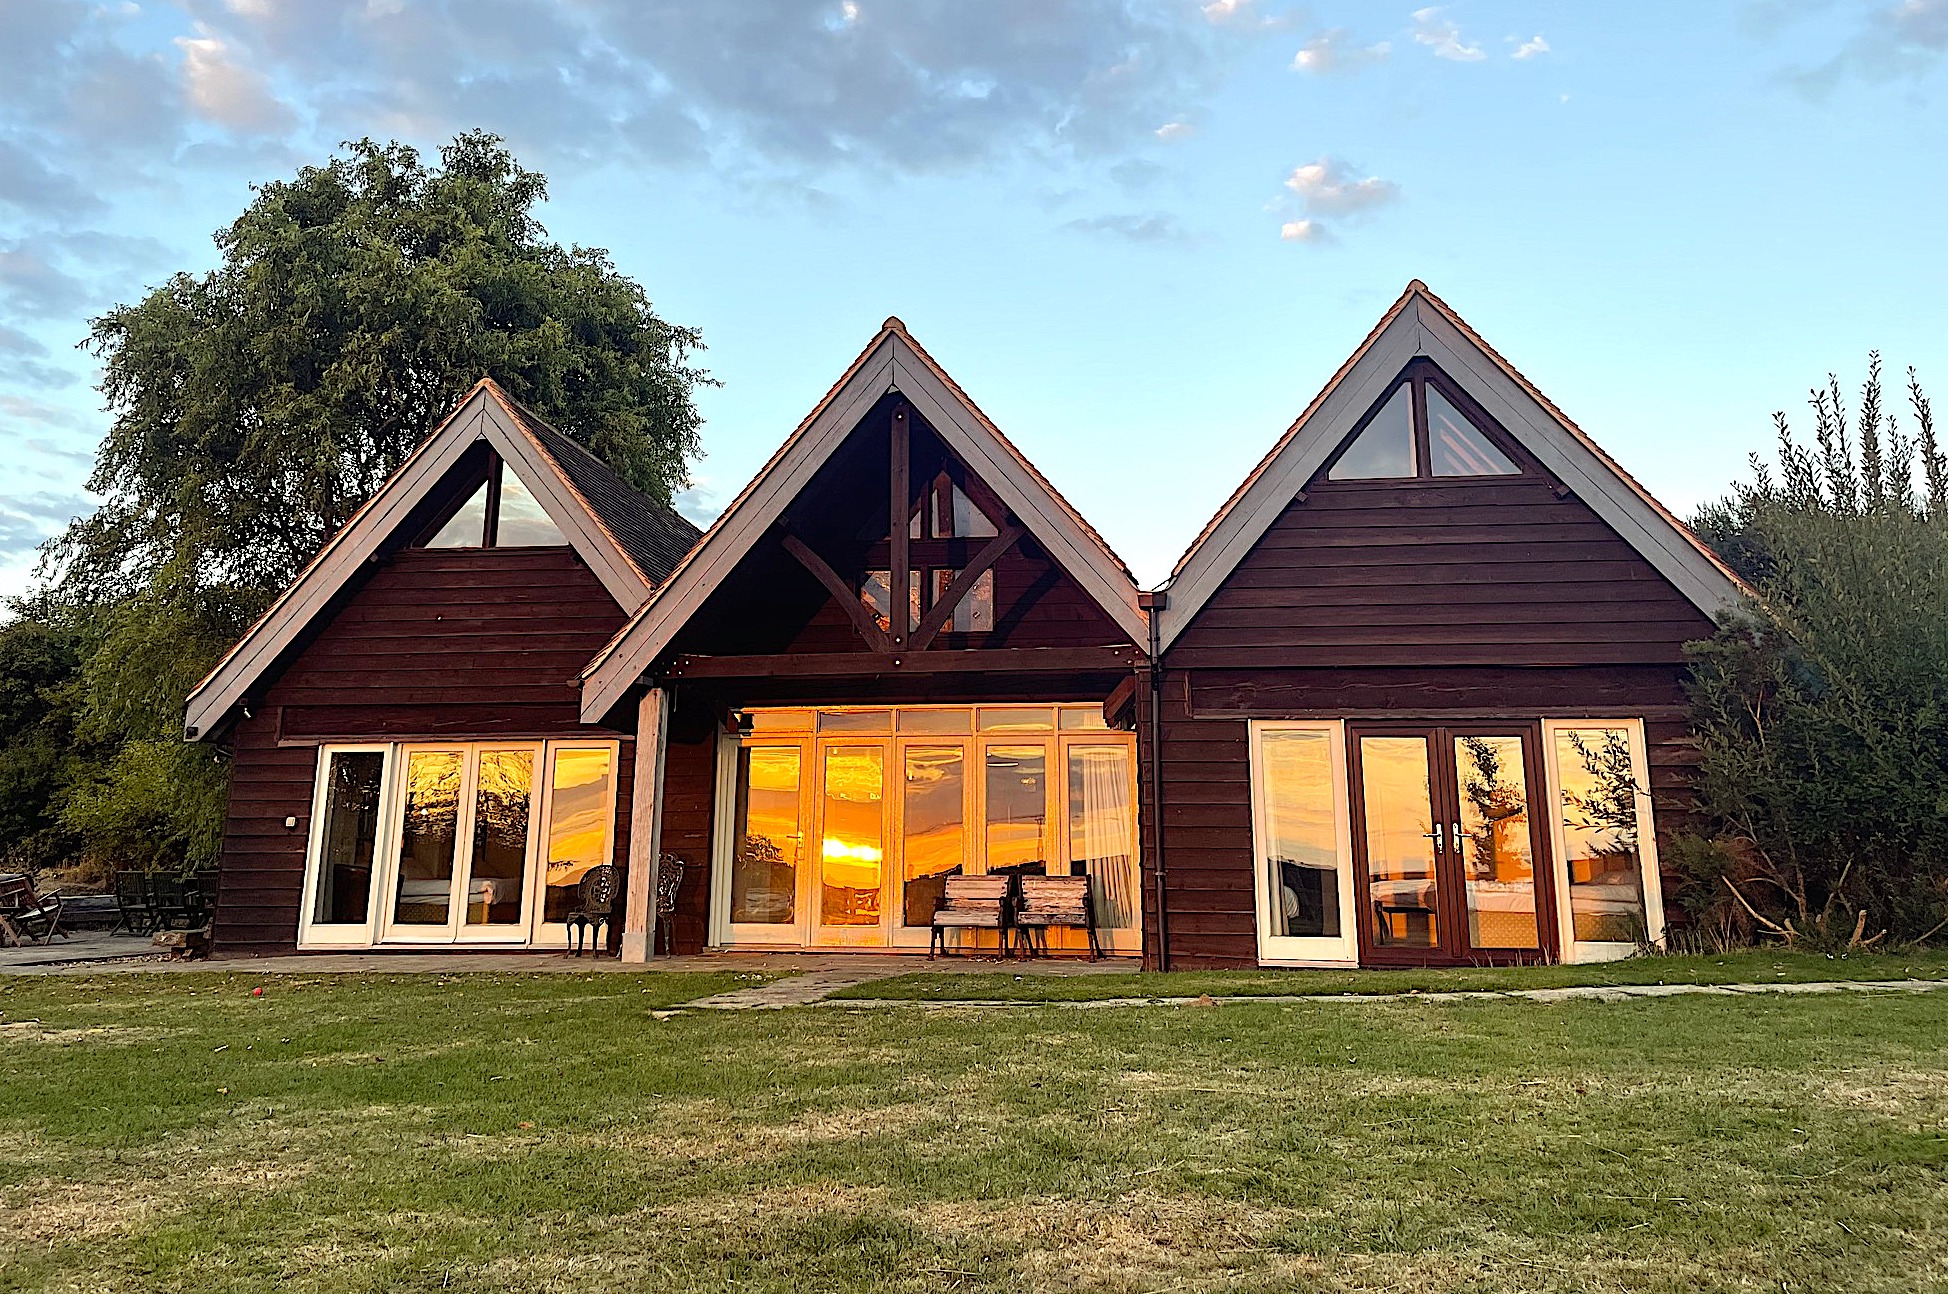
1456, 446
523, 524
1386, 447
500, 513
1420, 431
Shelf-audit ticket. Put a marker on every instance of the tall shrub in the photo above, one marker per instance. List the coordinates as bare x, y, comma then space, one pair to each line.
1822, 711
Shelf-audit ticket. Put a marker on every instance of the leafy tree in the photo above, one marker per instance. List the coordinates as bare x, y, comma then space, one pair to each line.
38, 668
256, 406
1822, 713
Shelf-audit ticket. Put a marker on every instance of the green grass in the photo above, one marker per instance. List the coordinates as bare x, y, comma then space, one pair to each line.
1755, 966
551, 1132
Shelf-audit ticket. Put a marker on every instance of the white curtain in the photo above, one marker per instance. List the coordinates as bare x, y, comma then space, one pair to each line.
1106, 830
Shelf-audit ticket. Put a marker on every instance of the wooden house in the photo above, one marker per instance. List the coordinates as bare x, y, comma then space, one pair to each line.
1413, 696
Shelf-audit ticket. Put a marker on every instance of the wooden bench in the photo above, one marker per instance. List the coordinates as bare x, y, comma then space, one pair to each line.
1056, 901
973, 903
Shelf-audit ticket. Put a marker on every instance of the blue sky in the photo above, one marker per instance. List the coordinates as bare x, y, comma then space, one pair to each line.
1141, 233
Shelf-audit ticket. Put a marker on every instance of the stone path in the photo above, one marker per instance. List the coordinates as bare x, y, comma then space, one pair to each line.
796, 990
1585, 993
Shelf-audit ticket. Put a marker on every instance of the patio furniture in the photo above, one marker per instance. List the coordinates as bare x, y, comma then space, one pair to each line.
132, 902
171, 899
1056, 901
594, 898
974, 903
669, 879
27, 913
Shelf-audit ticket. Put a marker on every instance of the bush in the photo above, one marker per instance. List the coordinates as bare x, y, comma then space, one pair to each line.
1822, 711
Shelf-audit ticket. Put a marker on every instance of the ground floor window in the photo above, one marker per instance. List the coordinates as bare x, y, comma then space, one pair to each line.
477, 842
1411, 843
839, 827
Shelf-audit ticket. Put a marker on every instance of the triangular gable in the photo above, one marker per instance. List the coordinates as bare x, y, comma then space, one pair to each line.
484, 414
1421, 324
892, 360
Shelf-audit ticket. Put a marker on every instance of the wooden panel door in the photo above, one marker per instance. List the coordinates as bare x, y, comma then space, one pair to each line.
1447, 844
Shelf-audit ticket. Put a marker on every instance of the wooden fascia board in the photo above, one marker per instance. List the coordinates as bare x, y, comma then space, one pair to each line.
565, 507
1003, 473
1624, 507
315, 586
1305, 451
609, 677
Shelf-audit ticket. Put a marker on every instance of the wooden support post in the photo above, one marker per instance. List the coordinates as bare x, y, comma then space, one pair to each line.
646, 826
899, 615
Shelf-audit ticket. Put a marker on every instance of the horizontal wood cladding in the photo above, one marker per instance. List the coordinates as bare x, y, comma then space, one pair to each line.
1206, 800
689, 799
443, 644
1470, 573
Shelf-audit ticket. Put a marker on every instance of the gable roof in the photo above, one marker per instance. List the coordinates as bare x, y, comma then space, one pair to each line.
1421, 324
891, 361
628, 541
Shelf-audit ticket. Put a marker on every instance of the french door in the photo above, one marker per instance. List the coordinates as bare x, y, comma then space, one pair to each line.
464, 833
1446, 840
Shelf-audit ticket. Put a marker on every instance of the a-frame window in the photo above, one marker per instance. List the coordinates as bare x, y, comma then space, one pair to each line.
1423, 428
501, 512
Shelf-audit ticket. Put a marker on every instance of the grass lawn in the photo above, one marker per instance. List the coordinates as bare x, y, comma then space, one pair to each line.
1745, 967
550, 1132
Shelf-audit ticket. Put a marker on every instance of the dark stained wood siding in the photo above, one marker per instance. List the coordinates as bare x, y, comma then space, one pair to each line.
451, 644
1443, 600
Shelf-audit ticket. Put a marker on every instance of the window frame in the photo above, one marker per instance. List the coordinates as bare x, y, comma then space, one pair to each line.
333, 934
1302, 950
1419, 373
1586, 950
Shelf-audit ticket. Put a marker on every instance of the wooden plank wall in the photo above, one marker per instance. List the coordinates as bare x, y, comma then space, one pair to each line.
451, 644
1404, 601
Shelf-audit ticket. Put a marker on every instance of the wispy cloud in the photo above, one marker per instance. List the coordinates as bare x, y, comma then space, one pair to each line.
1895, 41
1175, 130
1155, 228
1304, 231
1436, 32
1533, 47
1335, 50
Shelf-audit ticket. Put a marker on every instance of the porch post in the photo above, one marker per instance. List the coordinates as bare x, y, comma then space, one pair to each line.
646, 825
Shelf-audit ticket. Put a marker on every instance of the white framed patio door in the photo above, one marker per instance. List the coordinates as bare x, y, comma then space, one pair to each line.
462, 833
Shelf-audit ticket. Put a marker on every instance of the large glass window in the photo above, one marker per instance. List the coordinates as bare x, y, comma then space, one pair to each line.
853, 836
349, 839
1017, 808
1101, 826
1600, 819
767, 837
1301, 832
503, 804
933, 827
501, 512
1420, 430
428, 833
1385, 447
1494, 842
581, 807
1397, 796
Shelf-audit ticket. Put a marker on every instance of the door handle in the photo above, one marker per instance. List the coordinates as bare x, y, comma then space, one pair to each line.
1457, 840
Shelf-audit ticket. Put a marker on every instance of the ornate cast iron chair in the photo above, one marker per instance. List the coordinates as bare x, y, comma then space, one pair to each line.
589, 918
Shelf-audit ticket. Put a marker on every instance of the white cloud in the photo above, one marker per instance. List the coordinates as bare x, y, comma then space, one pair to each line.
1327, 187
224, 91
1534, 47
1334, 51
1443, 37
1304, 231
1172, 130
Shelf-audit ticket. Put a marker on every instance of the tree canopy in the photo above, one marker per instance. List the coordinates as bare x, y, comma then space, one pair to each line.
255, 407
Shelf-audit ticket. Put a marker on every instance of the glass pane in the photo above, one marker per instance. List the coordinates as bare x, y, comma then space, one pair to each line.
1101, 829
779, 720
1496, 850
996, 720
1599, 831
468, 526
1399, 841
1301, 834
936, 721
965, 521
1458, 447
580, 804
426, 838
351, 837
764, 868
1017, 810
855, 721
503, 795
523, 524
876, 591
1082, 717
935, 828
852, 853
1386, 447
974, 614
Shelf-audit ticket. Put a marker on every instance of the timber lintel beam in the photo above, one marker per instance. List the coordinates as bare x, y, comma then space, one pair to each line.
1009, 660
